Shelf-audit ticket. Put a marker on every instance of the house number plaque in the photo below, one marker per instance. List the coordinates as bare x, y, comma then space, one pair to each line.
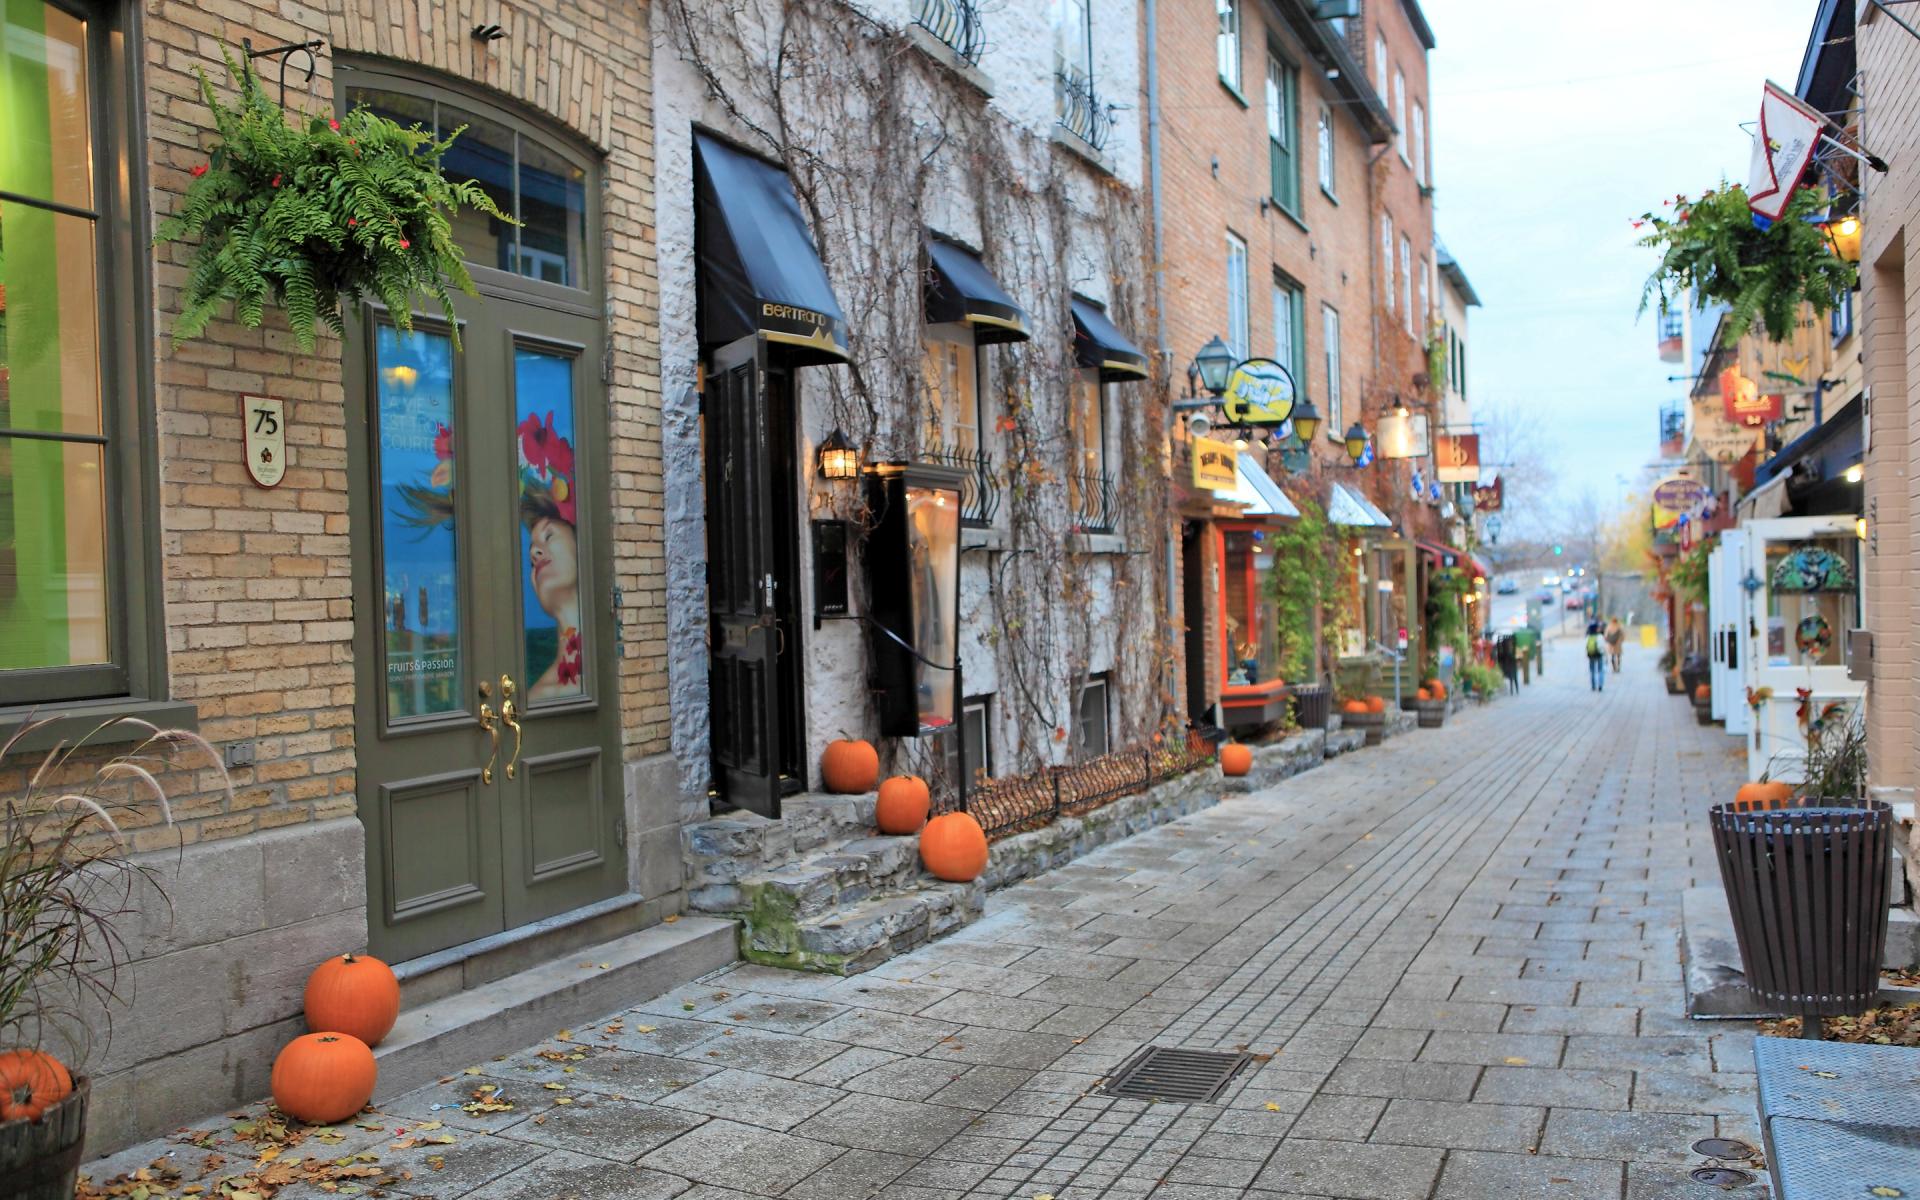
263, 424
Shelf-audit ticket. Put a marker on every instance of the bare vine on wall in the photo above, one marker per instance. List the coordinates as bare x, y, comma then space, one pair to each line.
883, 145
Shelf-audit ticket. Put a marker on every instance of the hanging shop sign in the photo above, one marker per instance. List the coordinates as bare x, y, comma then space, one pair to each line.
263, 428
1783, 145
1723, 441
1259, 392
1743, 402
1676, 497
1490, 496
1457, 457
1214, 466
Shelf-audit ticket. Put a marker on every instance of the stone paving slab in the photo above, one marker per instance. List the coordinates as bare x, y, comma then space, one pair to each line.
1454, 956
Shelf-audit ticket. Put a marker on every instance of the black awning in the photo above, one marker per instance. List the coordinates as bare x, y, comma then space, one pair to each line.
1097, 344
758, 270
960, 288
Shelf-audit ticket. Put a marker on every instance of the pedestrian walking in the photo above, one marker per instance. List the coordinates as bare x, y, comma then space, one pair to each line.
1596, 659
1507, 654
1616, 640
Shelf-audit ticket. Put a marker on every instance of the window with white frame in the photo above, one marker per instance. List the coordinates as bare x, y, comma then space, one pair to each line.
1290, 332
1227, 44
951, 370
1419, 145
1238, 335
1092, 731
1330, 341
1400, 113
1426, 314
1386, 258
1283, 126
1380, 62
1073, 69
1324, 139
1406, 280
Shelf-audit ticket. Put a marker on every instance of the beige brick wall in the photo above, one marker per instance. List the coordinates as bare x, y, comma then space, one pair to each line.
257, 585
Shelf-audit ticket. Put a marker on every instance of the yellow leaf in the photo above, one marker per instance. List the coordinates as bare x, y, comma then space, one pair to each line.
424, 1126
269, 1154
1272, 1107
1884, 1190
563, 1099
645, 1028
471, 1071
1514, 1061
556, 1087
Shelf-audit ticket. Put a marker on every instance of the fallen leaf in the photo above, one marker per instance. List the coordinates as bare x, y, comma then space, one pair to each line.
1513, 1060
645, 1028
471, 1071
563, 1099
1272, 1107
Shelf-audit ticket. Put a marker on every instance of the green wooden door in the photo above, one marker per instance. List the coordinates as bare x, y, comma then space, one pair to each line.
486, 712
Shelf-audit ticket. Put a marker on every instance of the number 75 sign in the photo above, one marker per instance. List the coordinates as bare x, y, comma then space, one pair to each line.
263, 427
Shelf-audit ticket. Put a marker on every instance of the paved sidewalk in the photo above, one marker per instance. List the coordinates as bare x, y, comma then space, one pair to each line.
1455, 956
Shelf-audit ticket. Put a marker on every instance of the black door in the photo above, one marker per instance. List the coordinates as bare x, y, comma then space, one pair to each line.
744, 631
1193, 580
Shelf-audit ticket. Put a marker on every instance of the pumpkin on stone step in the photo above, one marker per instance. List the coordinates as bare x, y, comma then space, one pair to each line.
354, 994
323, 1078
1762, 794
1376, 704
954, 847
31, 1081
849, 767
903, 805
1235, 759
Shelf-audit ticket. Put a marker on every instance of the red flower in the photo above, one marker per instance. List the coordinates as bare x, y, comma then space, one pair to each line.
405, 244
198, 171
351, 222
567, 667
333, 123
276, 181
442, 443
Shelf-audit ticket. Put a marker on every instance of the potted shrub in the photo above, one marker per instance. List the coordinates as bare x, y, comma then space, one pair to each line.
308, 212
65, 880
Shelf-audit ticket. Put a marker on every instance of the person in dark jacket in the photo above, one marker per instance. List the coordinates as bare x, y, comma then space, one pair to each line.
1596, 658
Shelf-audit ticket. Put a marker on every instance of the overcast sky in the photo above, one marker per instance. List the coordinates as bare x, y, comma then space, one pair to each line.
1551, 133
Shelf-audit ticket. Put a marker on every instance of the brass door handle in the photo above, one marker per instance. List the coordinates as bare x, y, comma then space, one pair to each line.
493, 731
510, 716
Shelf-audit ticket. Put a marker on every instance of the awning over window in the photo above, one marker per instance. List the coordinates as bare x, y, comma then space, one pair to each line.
758, 270
961, 289
1097, 344
1348, 507
1256, 489
1439, 554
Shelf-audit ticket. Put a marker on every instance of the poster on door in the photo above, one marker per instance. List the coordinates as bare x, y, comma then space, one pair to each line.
419, 609
549, 525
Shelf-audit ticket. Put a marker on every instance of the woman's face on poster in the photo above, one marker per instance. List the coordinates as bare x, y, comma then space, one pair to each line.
553, 564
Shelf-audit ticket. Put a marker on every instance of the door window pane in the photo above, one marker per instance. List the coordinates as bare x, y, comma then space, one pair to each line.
53, 576
484, 154
419, 567
1812, 600
553, 215
46, 151
49, 335
933, 517
550, 551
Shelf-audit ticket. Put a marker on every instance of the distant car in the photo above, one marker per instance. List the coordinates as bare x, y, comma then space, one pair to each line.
1568, 584
1576, 601
1507, 587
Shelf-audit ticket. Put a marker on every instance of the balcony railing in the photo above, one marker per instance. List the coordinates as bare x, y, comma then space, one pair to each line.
1081, 111
955, 22
980, 490
1095, 501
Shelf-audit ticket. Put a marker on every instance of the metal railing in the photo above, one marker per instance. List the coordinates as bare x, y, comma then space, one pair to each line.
1095, 501
955, 22
980, 490
1020, 803
1081, 112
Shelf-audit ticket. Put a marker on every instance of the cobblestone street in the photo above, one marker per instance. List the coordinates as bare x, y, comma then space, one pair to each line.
1455, 958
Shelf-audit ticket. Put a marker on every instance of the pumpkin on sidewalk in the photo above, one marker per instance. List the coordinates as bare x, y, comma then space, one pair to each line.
323, 1078
1236, 759
954, 847
849, 767
353, 993
903, 805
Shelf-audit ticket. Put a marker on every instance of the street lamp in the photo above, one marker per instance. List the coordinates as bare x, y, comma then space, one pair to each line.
1306, 421
1395, 434
1356, 441
1212, 366
838, 458
1843, 234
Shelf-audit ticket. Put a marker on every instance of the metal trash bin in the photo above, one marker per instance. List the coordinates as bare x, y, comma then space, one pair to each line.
1807, 887
1312, 705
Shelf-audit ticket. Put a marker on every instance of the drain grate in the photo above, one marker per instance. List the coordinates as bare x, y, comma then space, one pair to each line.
1714, 1147
1720, 1176
1176, 1076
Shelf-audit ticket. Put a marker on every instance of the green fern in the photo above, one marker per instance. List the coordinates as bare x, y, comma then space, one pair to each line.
312, 215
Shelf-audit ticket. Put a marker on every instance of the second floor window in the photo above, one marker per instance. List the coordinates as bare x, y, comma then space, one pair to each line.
1330, 340
1840, 317
1290, 331
1227, 45
1073, 68
1324, 142
1238, 336
1400, 113
1406, 279
951, 420
1426, 300
1386, 258
1283, 92
1420, 145
1380, 62
1089, 490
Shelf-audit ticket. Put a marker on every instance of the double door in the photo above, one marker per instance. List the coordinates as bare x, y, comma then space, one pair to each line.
486, 714
1801, 577
1726, 619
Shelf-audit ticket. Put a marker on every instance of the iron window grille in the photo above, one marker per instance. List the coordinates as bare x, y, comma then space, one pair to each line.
1081, 112
1673, 423
1095, 502
980, 490
954, 22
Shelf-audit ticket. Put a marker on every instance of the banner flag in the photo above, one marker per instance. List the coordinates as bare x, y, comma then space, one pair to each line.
1783, 145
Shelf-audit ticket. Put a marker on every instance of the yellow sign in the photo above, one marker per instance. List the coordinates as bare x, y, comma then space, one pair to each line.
1259, 392
1215, 465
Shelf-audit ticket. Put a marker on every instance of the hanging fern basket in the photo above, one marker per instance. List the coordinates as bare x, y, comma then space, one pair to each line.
310, 213
1714, 246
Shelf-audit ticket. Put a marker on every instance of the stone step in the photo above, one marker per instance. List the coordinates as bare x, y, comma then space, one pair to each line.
860, 935
728, 848
843, 874
434, 1039
478, 963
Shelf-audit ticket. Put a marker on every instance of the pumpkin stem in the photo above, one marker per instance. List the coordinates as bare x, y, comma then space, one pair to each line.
347, 957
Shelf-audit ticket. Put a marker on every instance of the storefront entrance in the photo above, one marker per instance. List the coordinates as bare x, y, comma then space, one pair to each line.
486, 709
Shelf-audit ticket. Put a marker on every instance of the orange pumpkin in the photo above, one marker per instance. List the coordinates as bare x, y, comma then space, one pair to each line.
353, 994
1762, 795
323, 1078
1703, 692
849, 767
1436, 689
1354, 706
1376, 704
903, 805
1235, 759
1422, 694
31, 1081
954, 847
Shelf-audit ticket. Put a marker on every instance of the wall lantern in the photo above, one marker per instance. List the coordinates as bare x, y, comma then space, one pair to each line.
1306, 421
1212, 366
1856, 473
1860, 528
838, 458
1843, 234
1356, 441
1394, 434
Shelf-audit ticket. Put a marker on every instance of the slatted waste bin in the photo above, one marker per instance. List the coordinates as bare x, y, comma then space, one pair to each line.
1807, 887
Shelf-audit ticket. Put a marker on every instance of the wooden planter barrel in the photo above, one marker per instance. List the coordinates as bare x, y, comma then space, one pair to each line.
40, 1160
